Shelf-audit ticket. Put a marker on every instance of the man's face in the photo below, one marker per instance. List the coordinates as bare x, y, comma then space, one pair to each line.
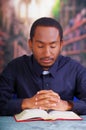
46, 45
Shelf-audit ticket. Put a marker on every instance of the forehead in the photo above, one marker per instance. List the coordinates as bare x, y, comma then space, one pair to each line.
44, 32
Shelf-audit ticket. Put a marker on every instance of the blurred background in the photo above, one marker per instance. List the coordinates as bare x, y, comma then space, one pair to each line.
17, 16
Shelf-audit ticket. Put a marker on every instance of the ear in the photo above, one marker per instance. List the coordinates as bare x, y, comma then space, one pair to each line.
62, 42
30, 44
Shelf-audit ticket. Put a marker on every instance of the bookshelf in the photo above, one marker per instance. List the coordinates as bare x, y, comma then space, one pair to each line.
3, 42
18, 50
75, 41
81, 23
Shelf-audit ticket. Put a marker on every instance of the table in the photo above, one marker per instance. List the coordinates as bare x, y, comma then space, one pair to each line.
9, 123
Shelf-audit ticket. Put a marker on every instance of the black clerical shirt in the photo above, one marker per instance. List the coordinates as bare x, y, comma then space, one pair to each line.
24, 78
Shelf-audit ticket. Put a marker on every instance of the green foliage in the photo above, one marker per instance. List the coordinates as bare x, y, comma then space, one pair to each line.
56, 9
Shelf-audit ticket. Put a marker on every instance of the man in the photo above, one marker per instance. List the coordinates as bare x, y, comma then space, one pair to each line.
46, 79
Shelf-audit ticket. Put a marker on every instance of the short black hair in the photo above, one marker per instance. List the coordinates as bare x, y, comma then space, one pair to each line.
48, 22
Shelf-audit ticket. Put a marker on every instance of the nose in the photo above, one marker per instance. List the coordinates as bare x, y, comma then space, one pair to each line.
47, 51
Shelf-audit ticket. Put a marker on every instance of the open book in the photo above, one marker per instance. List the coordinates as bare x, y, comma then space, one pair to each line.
38, 114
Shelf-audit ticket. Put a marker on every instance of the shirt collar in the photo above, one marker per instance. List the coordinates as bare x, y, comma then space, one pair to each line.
36, 67
45, 72
54, 67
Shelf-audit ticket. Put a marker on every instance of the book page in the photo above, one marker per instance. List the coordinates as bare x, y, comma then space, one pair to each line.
31, 113
38, 114
63, 115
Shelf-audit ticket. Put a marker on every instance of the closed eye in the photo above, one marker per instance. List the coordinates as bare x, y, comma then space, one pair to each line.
40, 46
53, 46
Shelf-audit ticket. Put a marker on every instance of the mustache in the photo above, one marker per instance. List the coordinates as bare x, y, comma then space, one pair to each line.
46, 58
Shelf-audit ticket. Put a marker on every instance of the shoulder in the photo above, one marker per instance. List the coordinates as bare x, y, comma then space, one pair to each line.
19, 60
17, 63
70, 63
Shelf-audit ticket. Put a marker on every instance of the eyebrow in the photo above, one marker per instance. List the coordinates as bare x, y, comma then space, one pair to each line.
44, 42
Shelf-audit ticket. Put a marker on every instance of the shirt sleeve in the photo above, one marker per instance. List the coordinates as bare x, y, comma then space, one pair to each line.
8, 105
79, 106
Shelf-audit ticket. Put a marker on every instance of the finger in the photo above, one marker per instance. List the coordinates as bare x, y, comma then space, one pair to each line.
48, 96
48, 92
45, 103
43, 91
48, 106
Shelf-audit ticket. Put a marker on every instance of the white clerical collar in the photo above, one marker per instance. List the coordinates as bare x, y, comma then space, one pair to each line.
45, 72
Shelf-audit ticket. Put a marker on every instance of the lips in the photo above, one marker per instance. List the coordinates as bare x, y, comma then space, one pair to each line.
46, 60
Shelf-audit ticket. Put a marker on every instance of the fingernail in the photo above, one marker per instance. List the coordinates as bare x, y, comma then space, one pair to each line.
58, 100
54, 104
36, 99
35, 103
37, 92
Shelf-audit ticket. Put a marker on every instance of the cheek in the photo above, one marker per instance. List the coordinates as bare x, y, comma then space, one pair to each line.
37, 53
56, 51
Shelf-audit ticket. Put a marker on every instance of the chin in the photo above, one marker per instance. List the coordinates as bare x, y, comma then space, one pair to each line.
46, 66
